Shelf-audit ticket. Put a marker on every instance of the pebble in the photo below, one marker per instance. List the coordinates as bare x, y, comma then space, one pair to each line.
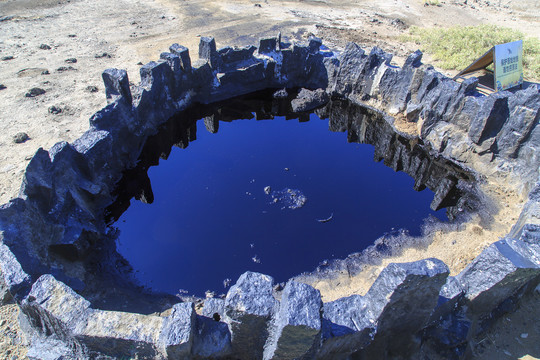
21, 137
33, 92
45, 72
71, 60
44, 47
54, 110
65, 68
103, 55
92, 88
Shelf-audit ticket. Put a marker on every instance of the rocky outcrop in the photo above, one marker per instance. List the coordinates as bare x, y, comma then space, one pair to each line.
57, 253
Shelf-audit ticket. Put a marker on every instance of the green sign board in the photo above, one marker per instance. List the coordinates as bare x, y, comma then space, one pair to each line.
508, 60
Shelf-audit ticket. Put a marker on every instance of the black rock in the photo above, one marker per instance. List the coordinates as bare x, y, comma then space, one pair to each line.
177, 333
248, 307
296, 326
531, 234
2, 87
183, 53
45, 72
214, 308
281, 94
116, 85
524, 114
6, 58
5, 295
65, 68
231, 55
92, 88
490, 117
173, 60
308, 100
20, 137
33, 92
314, 44
54, 110
103, 55
268, 45
71, 61
44, 47
208, 52
212, 124
498, 273
212, 339
401, 301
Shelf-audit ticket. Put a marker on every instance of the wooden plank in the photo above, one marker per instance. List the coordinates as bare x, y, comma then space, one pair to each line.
481, 63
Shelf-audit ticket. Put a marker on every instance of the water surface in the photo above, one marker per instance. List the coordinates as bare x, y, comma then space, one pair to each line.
211, 219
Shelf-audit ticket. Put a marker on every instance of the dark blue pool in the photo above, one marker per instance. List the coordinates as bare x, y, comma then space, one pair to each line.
211, 219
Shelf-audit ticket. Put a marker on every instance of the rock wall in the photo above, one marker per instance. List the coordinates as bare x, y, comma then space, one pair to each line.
57, 253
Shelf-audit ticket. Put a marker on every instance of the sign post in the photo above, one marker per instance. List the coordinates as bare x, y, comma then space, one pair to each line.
508, 59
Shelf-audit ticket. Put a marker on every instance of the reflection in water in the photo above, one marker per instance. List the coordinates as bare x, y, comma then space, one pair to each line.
212, 219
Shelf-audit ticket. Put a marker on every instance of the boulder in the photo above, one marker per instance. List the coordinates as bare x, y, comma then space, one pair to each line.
231, 55
296, 326
401, 302
208, 52
173, 60
249, 306
314, 45
490, 117
183, 54
268, 45
212, 339
517, 128
54, 306
122, 334
214, 308
211, 124
12, 274
498, 273
176, 335
308, 100
531, 234
346, 327
156, 102
445, 195
116, 83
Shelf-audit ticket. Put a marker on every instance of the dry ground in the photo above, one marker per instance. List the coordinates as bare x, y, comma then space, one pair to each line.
101, 34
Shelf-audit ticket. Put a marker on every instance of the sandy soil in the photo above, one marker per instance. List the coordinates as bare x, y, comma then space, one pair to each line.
38, 38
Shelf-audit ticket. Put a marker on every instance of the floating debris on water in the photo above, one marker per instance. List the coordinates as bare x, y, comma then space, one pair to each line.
267, 190
290, 198
256, 260
327, 219
252, 245
227, 283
